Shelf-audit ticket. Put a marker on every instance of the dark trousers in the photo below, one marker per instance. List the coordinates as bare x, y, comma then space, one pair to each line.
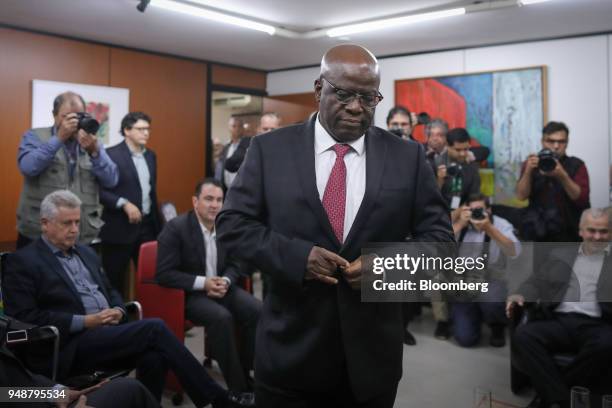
270, 397
468, 316
151, 348
220, 317
121, 393
536, 341
116, 257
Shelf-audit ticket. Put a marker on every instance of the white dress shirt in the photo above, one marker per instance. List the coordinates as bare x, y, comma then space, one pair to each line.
581, 295
144, 179
355, 162
210, 248
228, 176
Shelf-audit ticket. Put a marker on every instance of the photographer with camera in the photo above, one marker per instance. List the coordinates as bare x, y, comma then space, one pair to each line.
457, 178
557, 187
477, 225
67, 156
400, 122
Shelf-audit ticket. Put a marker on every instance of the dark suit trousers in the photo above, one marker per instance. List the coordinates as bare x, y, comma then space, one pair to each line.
568, 332
121, 393
219, 317
342, 397
116, 257
151, 348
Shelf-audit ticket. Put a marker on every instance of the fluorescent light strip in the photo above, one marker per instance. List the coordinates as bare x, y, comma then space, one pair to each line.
212, 15
392, 22
528, 2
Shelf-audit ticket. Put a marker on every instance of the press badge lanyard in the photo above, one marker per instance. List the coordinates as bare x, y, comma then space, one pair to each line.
456, 187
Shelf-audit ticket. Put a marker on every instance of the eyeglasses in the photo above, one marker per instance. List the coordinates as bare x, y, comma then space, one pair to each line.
142, 129
345, 97
556, 141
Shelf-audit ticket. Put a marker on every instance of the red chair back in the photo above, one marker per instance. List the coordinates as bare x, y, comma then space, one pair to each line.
147, 262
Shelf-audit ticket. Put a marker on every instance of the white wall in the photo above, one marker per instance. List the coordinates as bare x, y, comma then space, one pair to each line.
579, 89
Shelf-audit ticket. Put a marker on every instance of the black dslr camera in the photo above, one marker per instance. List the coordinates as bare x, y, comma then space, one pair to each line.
87, 123
397, 131
547, 160
478, 214
454, 170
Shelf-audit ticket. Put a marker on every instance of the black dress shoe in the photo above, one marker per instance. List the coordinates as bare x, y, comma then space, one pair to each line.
241, 399
442, 331
498, 336
409, 339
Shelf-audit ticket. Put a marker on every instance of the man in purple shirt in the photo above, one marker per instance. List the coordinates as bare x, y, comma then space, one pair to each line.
63, 157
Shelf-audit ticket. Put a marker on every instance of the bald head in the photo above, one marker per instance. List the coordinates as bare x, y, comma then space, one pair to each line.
68, 98
347, 91
349, 57
65, 104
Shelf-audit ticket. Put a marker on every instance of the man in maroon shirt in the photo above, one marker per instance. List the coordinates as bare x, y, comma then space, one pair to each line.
556, 197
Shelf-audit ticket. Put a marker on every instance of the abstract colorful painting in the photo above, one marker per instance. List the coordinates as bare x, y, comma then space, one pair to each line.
106, 104
503, 110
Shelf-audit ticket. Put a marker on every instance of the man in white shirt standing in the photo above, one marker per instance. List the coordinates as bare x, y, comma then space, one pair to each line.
188, 258
573, 290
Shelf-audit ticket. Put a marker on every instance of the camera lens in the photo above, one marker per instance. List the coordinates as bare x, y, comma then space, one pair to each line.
546, 160
478, 213
397, 131
87, 123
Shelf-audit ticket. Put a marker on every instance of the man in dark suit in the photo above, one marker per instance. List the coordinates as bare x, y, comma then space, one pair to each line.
54, 281
237, 143
573, 291
188, 258
267, 122
305, 202
130, 208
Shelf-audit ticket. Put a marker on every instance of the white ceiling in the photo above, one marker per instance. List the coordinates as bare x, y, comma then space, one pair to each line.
118, 22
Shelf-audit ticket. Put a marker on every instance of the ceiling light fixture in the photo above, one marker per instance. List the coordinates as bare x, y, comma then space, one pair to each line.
392, 22
528, 2
212, 15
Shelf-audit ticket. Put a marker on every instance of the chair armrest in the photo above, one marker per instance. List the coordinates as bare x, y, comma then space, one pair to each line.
134, 310
35, 334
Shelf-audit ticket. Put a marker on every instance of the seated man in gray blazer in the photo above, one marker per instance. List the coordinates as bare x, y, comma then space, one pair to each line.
188, 258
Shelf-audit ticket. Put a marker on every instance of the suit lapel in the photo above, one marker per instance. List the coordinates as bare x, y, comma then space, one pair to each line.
197, 238
303, 151
131, 168
50, 259
376, 151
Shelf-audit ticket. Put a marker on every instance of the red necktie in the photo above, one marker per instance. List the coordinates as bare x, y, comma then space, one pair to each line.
334, 197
